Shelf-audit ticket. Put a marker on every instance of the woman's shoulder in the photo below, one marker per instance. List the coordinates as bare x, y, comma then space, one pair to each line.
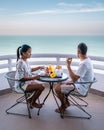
20, 62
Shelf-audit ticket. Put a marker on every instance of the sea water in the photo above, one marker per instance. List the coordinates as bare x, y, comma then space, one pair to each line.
65, 44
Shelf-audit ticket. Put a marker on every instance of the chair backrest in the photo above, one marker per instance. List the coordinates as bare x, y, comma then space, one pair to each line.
89, 83
74, 92
11, 78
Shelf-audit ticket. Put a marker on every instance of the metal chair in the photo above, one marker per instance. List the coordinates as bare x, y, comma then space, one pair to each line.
76, 99
22, 99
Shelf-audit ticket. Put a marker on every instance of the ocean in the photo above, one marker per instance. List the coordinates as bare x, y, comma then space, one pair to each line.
65, 44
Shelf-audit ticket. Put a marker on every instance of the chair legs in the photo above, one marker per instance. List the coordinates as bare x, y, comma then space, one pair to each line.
18, 101
29, 114
23, 100
39, 108
79, 106
79, 98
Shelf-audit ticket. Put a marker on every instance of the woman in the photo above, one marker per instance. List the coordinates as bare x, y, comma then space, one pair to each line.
23, 73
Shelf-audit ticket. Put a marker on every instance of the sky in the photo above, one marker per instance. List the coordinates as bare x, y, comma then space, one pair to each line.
51, 17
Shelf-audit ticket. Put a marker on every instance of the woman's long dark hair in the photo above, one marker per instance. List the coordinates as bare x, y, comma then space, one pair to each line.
22, 49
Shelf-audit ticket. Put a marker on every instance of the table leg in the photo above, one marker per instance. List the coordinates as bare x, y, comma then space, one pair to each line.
61, 114
53, 93
48, 93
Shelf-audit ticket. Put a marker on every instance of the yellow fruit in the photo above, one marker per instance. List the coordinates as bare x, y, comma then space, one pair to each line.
53, 75
51, 68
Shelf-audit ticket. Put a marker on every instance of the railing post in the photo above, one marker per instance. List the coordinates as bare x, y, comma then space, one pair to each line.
58, 60
9, 64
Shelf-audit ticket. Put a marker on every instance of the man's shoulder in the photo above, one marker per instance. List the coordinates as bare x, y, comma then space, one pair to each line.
87, 61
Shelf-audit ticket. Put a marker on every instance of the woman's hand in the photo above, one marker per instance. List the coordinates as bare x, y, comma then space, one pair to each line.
37, 68
37, 77
41, 67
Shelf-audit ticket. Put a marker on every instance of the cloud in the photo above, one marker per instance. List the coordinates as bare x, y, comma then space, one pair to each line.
41, 12
84, 5
63, 11
68, 8
71, 5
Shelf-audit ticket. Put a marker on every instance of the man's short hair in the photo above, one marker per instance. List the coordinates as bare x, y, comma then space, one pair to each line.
83, 48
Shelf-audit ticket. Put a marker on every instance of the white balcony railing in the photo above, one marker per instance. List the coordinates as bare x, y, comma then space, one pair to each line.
8, 62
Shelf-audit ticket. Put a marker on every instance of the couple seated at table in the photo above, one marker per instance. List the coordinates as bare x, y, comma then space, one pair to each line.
29, 82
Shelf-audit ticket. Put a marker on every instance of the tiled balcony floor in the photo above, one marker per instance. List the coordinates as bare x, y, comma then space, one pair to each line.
48, 119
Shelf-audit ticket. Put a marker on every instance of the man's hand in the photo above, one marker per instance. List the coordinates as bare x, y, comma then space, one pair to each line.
68, 62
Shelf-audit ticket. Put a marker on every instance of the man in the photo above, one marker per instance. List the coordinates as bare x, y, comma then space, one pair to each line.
83, 74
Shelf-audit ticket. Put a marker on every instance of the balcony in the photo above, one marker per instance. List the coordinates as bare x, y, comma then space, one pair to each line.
48, 118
